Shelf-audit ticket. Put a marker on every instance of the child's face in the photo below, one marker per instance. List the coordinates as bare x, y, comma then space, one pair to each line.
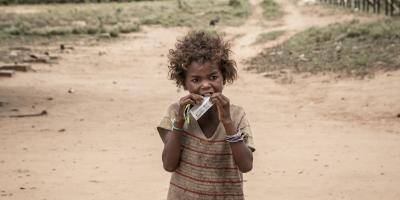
204, 79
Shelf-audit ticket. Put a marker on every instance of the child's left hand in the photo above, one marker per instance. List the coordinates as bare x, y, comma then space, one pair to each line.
223, 106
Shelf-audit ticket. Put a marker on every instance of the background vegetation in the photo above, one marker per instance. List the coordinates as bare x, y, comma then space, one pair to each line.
272, 10
8, 2
265, 37
115, 18
352, 49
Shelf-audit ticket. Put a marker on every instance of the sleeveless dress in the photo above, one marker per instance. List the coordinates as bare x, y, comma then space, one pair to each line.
207, 169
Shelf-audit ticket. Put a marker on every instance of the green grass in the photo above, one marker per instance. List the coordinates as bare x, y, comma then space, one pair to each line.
266, 37
116, 18
9, 2
68, 19
351, 49
272, 10
197, 13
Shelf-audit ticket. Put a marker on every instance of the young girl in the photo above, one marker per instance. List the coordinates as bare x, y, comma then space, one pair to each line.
207, 156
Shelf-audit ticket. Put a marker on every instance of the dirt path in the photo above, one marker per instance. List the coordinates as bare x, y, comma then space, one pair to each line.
318, 138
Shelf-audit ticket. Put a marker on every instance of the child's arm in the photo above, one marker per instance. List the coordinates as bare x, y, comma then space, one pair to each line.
241, 152
172, 149
172, 146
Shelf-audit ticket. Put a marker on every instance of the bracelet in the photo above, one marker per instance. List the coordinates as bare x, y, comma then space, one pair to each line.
238, 137
186, 114
174, 128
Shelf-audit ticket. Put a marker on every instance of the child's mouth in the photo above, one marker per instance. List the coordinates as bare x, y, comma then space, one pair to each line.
207, 94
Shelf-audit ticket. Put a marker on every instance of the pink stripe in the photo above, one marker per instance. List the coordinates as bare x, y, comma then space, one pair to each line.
204, 193
208, 167
208, 153
206, 181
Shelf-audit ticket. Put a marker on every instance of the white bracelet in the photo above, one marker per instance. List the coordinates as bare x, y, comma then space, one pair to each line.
238, 137
174, 128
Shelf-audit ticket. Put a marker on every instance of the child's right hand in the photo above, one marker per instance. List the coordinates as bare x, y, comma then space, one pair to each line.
192, 99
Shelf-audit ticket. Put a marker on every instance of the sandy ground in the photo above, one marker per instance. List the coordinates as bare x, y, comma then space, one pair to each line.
316, 138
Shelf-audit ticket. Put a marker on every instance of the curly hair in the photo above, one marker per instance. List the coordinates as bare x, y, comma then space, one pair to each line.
202, 47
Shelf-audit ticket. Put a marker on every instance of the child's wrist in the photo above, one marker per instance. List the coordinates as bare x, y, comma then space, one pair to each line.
179, 122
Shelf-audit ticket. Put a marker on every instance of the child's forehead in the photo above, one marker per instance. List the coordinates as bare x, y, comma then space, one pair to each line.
201, 68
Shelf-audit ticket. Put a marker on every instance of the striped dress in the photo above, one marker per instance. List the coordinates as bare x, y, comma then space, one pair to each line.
206, 169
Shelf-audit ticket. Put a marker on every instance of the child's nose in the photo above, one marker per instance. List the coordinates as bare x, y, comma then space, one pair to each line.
205, 84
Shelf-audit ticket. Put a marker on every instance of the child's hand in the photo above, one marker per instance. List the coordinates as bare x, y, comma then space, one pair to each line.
188, 99
223, 106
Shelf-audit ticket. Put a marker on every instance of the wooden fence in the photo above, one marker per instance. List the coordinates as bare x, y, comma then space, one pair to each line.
391, 7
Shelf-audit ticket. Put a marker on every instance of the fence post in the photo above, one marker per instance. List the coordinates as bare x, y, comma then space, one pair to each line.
379, 6
386, 7
391, 7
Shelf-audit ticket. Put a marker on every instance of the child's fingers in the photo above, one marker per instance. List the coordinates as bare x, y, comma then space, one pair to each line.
189, 96
214, 96
217, 102
196, 98
220, 108
221, 98
224, 101
186, 102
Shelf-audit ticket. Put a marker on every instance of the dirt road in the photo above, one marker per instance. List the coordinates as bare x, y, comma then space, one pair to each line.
316, 138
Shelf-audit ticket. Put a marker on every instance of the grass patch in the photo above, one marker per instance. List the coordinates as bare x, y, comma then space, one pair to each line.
265, 37
352, 49
8, 2
197, 13
272, 10
116, 18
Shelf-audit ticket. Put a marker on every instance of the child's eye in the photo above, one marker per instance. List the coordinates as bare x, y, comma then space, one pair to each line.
213, 77
195, 80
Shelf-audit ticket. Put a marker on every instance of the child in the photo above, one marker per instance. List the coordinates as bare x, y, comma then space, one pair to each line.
207, 156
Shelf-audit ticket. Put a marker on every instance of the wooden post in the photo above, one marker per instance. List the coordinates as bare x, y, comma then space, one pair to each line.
6, 73
386, 7
379, 6
349, 3
16, 67
364, 6
391, 8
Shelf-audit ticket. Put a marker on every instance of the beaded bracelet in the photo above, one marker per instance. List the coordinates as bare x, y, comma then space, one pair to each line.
238, 137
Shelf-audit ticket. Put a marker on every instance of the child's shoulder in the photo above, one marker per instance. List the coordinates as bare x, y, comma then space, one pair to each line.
235, 107
237, 111
172, 109
173, 106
